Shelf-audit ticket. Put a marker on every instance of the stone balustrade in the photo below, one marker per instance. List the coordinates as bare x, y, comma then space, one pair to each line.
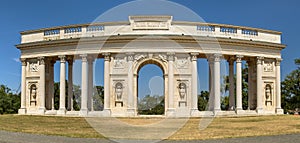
176, 27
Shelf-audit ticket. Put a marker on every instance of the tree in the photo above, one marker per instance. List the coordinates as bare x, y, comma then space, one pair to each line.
151, 105
203, 99
226, 85
98, 98
290, 90
9, 102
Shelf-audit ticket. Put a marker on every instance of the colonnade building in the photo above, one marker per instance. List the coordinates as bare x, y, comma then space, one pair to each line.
174, 46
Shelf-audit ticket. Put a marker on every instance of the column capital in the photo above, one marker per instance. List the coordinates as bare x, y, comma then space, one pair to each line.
217, 57
231, 60
239, 58
259, 60
90, 60
194, 56
278, 61
62, 58
23, 61
170, 56
106, 56
83, 57
42, 60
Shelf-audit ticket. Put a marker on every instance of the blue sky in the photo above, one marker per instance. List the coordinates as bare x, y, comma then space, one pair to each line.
19, 15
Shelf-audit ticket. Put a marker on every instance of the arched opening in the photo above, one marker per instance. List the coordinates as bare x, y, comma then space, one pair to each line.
150, 89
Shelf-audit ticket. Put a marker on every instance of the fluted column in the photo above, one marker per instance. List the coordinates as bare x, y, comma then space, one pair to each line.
62, 86
90, 83
130, 108
194, 82
231, 84
107, 82
170, 83
259, 85
84, 84
216, 78
278, 88
70, 84
42, 85
22, 110
239, 83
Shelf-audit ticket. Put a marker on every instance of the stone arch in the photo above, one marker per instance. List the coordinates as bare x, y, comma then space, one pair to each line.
136, 69
147, 61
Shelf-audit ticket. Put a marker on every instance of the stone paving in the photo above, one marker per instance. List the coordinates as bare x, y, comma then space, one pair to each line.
13, 137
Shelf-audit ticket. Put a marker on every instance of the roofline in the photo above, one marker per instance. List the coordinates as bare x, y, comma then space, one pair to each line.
128, 23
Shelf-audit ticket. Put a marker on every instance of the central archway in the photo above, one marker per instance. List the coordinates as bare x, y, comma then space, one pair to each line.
150, 88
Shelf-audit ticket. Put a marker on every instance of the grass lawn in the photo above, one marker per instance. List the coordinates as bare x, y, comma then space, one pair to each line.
226, 127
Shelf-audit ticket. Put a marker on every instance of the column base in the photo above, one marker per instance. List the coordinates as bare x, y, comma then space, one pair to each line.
216, 111
22, 111
239, 111
279, 111
194, 112
61, 111
83, 112
41, 111
259, 110
170, 112
130, 112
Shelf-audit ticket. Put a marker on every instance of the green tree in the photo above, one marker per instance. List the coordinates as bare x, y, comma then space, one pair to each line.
290, 90
9, 102
98, 98
76, 97
203, 99
226, 85
151, 105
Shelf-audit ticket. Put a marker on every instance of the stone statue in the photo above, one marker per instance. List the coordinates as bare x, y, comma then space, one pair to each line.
182, 90
268, 92
33, 92
119, 91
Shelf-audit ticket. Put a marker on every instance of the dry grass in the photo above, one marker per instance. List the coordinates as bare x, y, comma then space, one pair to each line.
228, 127
239, 127
60, 126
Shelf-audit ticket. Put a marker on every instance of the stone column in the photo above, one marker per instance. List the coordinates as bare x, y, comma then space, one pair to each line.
84, 84
90, 83
107, 82
51, 90
278, 88
70, 84
170, 111
62, 86
239, 83
42, 85
216, 78
259, 108
231, 84
194, 82
130, 108
211, 83
22, 110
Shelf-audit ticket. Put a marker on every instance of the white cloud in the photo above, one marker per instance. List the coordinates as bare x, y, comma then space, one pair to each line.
16, 60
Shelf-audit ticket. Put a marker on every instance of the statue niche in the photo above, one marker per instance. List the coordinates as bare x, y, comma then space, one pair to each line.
118, 94
182, 94
268, 94
33, 93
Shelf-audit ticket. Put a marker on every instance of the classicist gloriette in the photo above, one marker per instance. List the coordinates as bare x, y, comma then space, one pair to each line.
127, 46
